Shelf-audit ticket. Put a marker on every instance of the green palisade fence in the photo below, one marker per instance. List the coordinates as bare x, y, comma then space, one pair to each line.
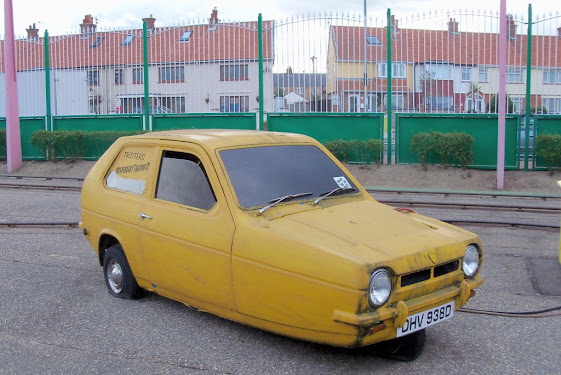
27, 126
544, 124
244, 121
483, 129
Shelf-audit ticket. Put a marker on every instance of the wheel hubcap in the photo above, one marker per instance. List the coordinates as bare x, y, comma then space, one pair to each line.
115, 276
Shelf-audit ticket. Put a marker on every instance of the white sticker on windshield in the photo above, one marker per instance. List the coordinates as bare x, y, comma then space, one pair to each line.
342, 182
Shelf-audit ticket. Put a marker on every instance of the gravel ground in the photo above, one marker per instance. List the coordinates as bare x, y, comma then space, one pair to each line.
398, 176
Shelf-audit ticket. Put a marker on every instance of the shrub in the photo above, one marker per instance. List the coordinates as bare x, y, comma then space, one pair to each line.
74, 144
368, 150
338, 148
548, 148
422, 145
2, 144
462, 145
450, 148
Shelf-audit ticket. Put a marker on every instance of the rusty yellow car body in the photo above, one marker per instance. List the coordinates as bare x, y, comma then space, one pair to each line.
299, 268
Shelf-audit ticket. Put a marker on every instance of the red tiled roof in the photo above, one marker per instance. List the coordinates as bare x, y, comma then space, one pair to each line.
226, 42
465, 48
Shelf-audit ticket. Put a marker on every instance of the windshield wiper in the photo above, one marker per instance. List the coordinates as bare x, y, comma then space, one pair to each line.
282, 199
339, 190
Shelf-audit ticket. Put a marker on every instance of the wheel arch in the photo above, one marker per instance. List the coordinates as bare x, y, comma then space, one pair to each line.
105, 242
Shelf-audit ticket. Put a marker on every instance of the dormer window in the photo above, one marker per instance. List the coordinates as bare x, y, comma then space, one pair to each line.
97, 42
373, 40
128, 40
186, 36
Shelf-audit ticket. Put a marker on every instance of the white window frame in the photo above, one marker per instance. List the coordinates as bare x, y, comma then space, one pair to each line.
395, 99
517, 103
373, 40
399, 70
439, 72
482, 75
549, 73
466, 74
549, 102
356, 107
186, 36
514, 75
372, 103
128, 40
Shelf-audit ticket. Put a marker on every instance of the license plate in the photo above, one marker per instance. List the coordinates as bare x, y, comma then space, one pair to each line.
426, 318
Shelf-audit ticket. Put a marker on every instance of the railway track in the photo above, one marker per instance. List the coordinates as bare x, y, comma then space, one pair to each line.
542, 205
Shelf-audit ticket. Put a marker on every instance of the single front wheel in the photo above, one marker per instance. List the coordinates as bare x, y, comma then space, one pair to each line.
406, 348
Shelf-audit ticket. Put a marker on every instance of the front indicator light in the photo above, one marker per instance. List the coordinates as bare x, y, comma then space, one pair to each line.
470, 263
379, 288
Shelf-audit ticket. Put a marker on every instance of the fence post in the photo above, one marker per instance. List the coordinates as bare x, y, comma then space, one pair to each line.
389, 88
261, 98
528, 89
48, 119
146, 86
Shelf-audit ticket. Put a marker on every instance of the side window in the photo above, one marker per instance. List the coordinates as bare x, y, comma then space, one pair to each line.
183, 180
131, 169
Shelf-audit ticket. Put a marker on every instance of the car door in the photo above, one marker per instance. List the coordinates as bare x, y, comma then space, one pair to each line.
186, 229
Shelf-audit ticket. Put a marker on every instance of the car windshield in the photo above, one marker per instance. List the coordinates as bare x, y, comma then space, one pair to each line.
262, 174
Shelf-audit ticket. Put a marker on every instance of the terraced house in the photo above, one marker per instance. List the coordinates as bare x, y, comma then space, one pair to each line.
210, 67
439, 70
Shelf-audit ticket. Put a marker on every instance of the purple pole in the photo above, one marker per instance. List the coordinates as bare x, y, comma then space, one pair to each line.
502, 98
13, 137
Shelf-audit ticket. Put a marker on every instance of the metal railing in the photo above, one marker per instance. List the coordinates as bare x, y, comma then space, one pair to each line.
440, 62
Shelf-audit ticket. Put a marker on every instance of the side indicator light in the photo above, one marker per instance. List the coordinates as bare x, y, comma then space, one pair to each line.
377, 328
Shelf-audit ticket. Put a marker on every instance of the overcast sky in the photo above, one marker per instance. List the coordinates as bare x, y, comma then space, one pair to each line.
62, 16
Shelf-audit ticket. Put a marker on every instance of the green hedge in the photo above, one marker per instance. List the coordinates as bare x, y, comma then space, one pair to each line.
2, 144
366, 151
75, 144
448, 148
548, 148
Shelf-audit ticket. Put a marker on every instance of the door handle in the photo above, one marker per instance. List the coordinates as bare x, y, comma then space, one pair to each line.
144, 216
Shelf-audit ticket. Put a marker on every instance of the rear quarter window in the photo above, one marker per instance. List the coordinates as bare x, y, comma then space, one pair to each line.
131, 169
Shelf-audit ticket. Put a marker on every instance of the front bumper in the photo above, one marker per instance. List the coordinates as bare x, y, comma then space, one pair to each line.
381, 324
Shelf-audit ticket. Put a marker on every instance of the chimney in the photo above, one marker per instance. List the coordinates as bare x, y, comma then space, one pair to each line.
394, 23
150, 21
453, 26
87, 26
32, 32
510, 27
214, 17
559, 32
289, 70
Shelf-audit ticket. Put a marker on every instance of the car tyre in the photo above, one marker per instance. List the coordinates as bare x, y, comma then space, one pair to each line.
406, 348
119, 279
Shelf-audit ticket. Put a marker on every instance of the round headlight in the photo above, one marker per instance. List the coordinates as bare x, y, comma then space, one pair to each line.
470, 264
379, 288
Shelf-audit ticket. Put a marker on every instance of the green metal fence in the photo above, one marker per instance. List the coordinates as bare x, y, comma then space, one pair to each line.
483, 128
329, 126
543, 124
98, 123
27, 126
245, 121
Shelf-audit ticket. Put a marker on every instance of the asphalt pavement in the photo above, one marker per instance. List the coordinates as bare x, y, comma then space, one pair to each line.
58, 318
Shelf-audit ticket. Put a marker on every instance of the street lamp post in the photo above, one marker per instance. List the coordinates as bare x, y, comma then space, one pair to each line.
314, 58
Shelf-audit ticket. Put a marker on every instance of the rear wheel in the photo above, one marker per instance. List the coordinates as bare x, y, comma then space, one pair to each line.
118, 276
406, 348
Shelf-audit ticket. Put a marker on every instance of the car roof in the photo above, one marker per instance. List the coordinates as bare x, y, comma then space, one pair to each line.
219, 138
